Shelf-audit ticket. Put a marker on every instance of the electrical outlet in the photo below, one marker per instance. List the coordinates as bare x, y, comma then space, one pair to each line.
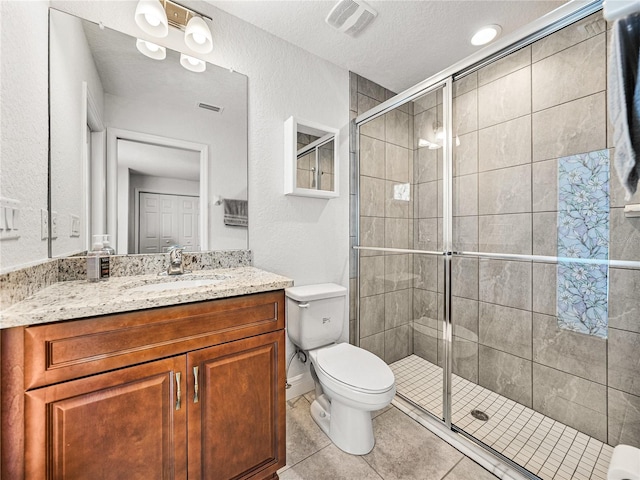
54, 225
44, 224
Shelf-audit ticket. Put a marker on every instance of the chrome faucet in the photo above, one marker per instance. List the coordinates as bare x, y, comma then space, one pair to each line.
175, 260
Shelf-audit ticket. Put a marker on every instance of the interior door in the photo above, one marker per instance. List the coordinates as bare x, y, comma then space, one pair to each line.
167, 220
189, 220
149, 223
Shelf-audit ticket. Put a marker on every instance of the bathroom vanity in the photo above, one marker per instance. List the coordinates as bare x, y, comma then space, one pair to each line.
194, 390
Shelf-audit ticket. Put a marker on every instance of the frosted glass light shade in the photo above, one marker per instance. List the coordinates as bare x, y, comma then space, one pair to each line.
151, 18
193, 64
197, 36
151, 50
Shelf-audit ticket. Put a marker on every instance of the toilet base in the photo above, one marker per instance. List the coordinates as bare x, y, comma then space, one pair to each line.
350, 429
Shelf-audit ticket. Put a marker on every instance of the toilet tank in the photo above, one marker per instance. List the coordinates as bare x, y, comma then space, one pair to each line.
315, 314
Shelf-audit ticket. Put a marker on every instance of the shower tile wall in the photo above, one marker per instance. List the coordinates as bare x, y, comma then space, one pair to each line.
427, 226
514, 119
386, 286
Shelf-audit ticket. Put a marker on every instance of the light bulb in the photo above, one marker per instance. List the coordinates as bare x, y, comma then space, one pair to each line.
199, 38
152, 19
193, 64
151, 50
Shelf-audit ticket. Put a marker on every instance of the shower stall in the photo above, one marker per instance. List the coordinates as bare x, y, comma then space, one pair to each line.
494, 268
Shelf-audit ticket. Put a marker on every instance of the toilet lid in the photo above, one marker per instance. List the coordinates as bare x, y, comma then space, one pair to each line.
356, 367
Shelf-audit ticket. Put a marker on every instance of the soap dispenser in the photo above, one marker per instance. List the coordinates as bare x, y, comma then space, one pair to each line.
98, 261
93, 261
106, 245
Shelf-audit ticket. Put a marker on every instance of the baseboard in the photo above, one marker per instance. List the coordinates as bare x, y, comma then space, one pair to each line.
300, 384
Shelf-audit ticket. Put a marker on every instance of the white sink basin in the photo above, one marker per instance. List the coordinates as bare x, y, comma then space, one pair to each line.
178, 285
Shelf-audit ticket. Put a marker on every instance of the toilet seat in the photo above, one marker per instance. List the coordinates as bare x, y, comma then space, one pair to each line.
354, 367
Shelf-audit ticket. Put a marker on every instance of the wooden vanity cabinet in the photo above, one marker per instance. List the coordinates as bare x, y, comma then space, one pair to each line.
188, 392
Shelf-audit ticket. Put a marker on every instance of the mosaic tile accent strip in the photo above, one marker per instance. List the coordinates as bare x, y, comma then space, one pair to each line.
583, 233
544, 446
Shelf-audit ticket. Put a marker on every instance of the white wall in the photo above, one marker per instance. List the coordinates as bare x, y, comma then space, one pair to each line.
24, 125
305, 239
71, 65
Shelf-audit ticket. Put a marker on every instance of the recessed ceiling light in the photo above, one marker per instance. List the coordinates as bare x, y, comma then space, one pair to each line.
486, 34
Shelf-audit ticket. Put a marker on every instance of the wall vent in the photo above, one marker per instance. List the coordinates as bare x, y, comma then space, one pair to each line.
351, 16
213, 108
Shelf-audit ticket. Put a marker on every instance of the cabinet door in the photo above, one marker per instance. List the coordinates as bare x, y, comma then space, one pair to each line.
116, 425
237, 423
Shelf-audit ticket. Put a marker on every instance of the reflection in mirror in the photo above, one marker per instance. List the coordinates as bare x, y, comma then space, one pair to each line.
139, 146
160, 178
311, 160
315, 161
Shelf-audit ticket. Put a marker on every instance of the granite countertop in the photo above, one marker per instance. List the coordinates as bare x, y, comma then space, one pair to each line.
80, 299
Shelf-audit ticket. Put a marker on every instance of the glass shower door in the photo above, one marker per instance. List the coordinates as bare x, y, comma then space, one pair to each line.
401, 238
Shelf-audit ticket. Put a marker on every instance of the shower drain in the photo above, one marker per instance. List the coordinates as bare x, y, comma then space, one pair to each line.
480, 415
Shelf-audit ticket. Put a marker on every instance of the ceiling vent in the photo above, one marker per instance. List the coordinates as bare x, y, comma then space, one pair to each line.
351, 16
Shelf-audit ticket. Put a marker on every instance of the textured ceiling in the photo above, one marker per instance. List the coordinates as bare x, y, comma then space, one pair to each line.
407, 42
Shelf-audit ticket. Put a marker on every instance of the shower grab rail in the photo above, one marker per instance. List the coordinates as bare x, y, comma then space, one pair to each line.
548, 259
510, 256
398, 250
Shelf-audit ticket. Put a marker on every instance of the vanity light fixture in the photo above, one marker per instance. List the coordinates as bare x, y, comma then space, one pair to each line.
197, 36
486, 34
192, 63
151, 50
151, 17
155, 16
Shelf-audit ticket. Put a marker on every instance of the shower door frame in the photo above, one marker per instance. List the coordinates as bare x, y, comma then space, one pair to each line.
447, 225
550, 23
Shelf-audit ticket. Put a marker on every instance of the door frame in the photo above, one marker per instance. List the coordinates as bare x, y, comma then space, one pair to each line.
118, 180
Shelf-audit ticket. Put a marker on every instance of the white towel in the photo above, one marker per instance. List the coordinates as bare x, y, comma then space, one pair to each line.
625, 463
624, 100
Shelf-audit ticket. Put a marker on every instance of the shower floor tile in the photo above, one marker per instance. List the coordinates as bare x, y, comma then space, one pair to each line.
548, 448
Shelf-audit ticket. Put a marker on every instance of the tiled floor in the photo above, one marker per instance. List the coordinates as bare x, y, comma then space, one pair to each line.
404, 451
548, 448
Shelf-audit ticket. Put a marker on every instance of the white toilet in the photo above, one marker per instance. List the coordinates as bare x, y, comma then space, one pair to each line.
352, 382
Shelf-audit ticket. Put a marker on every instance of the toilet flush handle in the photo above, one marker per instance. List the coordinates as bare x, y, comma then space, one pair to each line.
304, 305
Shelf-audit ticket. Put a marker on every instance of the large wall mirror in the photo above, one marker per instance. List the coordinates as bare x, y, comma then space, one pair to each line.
142, 149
